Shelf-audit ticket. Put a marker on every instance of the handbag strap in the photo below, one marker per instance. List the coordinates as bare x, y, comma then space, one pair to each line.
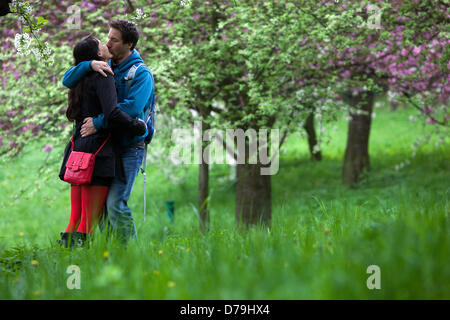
73, 143
102, 145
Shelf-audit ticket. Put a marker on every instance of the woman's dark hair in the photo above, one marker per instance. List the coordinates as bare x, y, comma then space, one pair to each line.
127, 30
85, 50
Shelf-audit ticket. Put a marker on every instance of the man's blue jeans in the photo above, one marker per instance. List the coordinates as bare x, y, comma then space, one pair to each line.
117, 214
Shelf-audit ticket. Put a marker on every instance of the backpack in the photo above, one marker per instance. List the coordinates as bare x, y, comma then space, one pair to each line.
150, 113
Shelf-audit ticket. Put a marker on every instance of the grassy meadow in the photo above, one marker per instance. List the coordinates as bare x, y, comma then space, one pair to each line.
323, 238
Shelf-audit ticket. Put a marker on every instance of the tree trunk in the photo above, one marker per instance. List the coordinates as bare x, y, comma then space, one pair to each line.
203, 186
203, 194
356, 159
312, 138
253, 196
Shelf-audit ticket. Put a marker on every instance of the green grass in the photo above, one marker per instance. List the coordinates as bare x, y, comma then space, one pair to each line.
323, 235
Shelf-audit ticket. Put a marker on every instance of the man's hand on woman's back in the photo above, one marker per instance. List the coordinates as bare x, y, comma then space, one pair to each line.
87, 128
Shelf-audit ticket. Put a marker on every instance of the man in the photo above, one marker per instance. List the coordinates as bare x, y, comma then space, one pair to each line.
134, 99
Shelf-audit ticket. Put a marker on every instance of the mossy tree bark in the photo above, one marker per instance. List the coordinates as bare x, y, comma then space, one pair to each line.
356, 159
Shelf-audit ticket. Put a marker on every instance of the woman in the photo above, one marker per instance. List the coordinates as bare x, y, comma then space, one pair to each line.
94, 95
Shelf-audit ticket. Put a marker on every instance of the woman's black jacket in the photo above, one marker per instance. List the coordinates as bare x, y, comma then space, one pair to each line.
99, 95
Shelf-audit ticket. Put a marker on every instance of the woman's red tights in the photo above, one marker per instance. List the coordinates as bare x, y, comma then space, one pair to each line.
86, 207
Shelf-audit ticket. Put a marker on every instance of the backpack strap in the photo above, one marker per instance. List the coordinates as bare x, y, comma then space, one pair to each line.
147, 114
150, 113
131, 73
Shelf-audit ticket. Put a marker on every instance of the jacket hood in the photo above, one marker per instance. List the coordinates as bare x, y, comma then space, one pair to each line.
132, 59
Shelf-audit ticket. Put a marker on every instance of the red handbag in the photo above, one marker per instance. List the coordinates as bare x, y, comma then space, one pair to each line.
80, 165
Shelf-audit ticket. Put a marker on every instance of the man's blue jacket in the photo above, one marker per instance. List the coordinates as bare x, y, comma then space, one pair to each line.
134, 100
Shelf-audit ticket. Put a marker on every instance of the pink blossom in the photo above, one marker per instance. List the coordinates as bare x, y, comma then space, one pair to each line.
27, 127
416, 50
427, 110
346, 74
303, 42
106, 15
47, 148
431, 121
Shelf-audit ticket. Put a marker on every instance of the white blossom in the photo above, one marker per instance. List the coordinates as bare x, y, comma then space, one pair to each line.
22, 43
140, 15
185, 3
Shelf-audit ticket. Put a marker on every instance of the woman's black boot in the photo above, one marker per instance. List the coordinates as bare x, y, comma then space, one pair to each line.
79, 239
66, 239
